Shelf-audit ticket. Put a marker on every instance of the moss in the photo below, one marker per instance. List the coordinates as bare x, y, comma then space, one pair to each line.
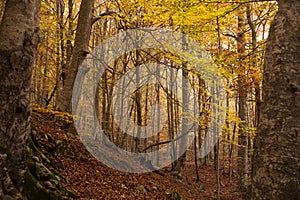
35, 191
68, 193
36, 177
32, 127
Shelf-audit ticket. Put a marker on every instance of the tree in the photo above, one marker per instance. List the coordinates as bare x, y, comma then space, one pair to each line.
79, 53
19, 36
276, 164
242, 103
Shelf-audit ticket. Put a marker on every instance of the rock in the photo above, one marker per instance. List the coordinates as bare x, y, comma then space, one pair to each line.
42, 172
35, 159
49, 185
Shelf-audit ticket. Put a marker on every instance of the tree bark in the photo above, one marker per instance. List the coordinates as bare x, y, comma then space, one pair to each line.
242, 105
79, 53
19, 36
276, 164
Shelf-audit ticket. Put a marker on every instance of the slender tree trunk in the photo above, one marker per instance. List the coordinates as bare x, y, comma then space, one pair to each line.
276, 161
195, 129
45, 81
171, 118
232, 143
254, 63
138, 98
158, 112
67, 49
217, 146
19, 36
242, 105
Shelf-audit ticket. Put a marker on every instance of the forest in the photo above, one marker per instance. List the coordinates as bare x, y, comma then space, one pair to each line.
161, 99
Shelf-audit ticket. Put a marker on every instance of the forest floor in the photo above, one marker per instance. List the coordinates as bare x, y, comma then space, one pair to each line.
88, 178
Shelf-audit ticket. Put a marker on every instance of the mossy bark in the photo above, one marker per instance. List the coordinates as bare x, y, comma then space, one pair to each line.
19, 37
40, 182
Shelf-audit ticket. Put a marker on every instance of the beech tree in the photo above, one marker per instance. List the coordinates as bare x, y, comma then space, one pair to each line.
79, 53
242, 103
276, 163
19, 36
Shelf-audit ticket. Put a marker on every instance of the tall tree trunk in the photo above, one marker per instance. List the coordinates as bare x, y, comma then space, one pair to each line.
195, 129
158, 96
233, 142
79, 53
242, 111
171, 117
276, 162
217, 146
137, 99
180, 164
253, 28
19, 36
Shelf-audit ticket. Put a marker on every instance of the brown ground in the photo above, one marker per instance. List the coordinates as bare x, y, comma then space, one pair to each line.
90, 179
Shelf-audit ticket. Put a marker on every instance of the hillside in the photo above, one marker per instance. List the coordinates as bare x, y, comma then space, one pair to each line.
90, 179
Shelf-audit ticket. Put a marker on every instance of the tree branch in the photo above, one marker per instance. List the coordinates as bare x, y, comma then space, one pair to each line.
168, 141
102, 15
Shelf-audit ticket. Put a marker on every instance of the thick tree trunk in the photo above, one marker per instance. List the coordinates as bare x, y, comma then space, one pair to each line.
79, 53
19, 36
276, 164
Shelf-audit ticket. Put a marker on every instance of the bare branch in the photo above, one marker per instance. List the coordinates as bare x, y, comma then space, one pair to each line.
102, 15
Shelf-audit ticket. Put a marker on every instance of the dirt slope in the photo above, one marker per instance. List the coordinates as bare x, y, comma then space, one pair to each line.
90, 179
